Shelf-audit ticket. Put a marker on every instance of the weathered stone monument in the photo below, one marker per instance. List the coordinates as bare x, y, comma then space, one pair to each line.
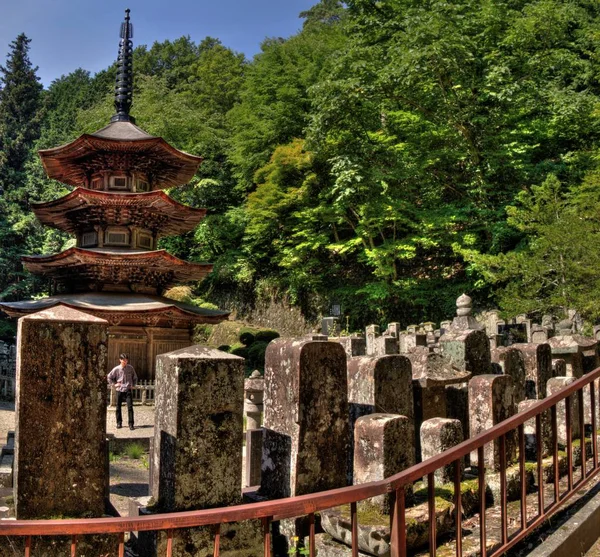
538, 368
439, 435
198, 429
512, 362
197, 460
379, 385
383, 446
555, 384
466, 342
306, 418
60, 449
491, 400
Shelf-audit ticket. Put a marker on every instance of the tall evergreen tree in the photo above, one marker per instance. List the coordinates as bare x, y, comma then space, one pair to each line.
20, 123
20, 116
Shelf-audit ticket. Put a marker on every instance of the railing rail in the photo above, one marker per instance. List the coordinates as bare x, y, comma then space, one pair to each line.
308, 505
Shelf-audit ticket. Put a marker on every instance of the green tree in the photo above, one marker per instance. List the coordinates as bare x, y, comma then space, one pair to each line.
20, 121
555, 267
20, 117
434, 118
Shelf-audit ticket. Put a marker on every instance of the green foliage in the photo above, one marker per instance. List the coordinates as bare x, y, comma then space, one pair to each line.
555, 267
266, 335
246, 338
256, 355
240, 350
389, 156
134, 451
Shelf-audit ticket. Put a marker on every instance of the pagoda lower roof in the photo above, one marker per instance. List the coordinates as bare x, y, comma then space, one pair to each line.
153, 210
120, 146
117, 266
122, 309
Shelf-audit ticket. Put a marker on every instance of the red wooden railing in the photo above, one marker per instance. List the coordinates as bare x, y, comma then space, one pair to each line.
308, 505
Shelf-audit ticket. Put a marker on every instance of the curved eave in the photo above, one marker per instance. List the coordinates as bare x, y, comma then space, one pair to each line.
181, 218
63, 163
130, 306
79, 257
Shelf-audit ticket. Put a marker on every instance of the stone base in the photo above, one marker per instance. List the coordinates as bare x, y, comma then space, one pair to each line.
374, 528
326, 546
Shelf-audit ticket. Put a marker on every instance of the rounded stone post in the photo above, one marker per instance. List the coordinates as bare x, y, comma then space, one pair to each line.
254, 388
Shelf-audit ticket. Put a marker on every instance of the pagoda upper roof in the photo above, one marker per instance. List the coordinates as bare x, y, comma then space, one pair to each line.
153, 210
122, 309
117, 266
120, 146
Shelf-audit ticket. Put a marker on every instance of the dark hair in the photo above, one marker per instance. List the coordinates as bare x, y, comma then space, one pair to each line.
124, 356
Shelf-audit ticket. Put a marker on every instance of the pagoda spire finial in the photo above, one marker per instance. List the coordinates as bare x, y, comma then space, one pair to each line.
124, 83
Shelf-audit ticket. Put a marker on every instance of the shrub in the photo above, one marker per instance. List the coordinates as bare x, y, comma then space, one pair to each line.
239, 350
134, 450
266, 335
246, 338
256, 355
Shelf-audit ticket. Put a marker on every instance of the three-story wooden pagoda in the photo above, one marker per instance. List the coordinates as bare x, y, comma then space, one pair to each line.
117, 212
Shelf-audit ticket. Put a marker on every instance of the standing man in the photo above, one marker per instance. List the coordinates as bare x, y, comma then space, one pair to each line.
125, 378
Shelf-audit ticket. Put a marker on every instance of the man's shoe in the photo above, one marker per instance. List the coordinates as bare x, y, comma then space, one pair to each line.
119, 426
131, 427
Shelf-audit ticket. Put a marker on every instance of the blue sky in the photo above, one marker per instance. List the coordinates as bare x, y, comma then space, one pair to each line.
69, 34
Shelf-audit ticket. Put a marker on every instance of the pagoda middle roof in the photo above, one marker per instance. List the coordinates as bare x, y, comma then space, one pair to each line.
117, 266
153, 210
120, 307
120, 146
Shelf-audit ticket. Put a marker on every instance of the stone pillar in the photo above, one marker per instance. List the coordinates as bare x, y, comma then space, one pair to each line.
538, 368
554, 385
491, 400
371, 333
198, 429
394, 329
378, 385
253, 400
60, 418
512, 362
305, 448
353, 346
539, 334
409, 341
531, 433
385, 345
254, 443
439, 435
468, 349
382, 448
457, 404
197, 452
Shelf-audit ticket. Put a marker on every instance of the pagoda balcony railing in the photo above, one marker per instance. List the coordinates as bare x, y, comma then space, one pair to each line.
268, 512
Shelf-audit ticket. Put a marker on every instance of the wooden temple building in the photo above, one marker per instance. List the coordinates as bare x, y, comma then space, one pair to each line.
117, 212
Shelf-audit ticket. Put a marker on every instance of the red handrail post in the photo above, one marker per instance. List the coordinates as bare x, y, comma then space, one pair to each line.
398, 524
458, 506
481, 475
540, 464
432, 518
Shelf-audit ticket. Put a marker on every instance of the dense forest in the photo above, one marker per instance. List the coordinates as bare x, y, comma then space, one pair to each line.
386, 158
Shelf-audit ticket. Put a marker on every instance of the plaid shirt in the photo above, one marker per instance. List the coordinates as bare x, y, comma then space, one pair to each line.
124, 377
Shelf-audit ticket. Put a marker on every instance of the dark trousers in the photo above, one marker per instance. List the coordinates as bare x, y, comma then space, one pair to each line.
127, 396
